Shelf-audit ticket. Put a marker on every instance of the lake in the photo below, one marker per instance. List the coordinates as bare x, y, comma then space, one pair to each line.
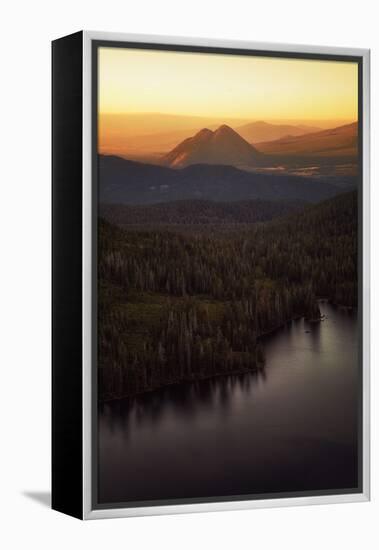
294, 427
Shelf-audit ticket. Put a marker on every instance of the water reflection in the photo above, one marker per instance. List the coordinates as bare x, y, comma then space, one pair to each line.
182, 400
290, 427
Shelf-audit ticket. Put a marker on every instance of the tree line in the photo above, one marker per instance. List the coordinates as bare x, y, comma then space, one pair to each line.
217, 294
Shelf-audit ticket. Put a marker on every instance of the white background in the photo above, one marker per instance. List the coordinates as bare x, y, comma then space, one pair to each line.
26, 31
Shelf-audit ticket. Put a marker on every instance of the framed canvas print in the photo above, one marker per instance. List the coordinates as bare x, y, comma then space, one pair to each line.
210, 275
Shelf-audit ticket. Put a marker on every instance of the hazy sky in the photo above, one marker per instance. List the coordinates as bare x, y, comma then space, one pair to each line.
256, 88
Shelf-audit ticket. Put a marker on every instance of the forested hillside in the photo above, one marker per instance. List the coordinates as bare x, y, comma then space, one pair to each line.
178, 307
127, 182
198, 212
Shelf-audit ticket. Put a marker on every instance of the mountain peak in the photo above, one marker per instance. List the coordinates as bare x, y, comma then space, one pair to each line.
223, 146
225, 129
205, 133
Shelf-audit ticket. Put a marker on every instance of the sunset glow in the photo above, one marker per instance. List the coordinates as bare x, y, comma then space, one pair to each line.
221, 87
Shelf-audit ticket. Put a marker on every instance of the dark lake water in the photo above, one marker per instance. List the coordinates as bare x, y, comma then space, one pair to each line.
293, 427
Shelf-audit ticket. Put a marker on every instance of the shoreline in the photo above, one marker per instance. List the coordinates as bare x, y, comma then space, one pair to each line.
184, 381
256, 369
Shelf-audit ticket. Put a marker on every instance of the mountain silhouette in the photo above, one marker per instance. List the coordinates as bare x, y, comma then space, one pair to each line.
128, 182
222, 146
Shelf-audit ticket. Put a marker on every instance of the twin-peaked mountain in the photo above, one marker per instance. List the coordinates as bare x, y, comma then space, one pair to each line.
222, 166
224, 146
227, 147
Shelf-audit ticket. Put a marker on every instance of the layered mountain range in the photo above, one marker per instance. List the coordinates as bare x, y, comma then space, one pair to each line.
220, 165
256, 132
152, 135
226, 146
336, 142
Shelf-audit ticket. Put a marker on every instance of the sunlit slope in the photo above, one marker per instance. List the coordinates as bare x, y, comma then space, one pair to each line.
340, 141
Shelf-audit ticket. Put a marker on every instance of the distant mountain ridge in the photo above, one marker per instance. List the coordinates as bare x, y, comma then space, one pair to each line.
222, 146
261, 131
335, 142
130, 182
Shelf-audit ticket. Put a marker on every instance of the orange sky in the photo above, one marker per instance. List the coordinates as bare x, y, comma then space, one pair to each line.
216, 89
